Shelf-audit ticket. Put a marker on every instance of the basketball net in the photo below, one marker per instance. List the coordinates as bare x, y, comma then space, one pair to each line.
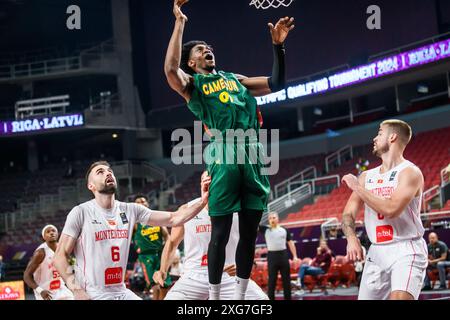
266, 4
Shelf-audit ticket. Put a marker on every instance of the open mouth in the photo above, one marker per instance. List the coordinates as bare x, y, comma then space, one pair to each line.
109, 180
209, 57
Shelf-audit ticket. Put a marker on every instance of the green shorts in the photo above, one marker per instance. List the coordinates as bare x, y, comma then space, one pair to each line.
150, 264
236, 187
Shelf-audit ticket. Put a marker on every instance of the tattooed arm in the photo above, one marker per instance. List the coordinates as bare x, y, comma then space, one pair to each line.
354, 250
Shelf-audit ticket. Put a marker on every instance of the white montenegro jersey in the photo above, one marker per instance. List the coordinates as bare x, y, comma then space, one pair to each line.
197, 234
103, 242
46, 276
383, 230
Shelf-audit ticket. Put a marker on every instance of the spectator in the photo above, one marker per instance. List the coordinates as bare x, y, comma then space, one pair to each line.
277, 238
362, 165
319, 265
2, 269
438, 258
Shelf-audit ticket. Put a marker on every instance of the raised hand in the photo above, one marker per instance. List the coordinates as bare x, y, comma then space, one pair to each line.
179, 15
205, 182
280, 31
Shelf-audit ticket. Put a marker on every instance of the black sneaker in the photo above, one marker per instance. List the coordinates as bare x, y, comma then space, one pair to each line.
426, 288
442, 288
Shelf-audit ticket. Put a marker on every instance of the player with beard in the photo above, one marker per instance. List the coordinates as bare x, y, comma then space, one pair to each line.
41, 275
99, 233
391, 193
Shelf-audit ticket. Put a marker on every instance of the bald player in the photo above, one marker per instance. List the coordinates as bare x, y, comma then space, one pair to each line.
41, 275
99, 233
391, 193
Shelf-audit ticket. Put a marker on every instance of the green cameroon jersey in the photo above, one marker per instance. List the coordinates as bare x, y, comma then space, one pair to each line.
148, 239
221, 102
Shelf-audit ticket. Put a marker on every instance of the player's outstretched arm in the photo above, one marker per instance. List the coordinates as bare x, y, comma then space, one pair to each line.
35, 261
410, 181
65, 247
354, 203
178, 80
168, 253
184, 213
259, 86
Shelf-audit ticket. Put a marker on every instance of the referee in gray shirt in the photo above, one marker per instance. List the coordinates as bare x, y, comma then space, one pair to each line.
277, 258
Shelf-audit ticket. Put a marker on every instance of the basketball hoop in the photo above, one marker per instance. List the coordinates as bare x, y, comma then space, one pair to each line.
266, 4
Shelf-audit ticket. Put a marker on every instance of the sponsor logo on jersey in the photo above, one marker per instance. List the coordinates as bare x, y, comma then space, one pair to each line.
384, 233
370, 181
95, 222
113, 276
55, 285
124, 218
380, 181
391, 178
204, 260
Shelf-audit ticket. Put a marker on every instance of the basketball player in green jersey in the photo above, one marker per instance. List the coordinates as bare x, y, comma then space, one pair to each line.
148, 241
224, 101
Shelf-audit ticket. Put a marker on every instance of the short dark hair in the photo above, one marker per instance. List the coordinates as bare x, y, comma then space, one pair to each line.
140, 196
186, 53
93, 165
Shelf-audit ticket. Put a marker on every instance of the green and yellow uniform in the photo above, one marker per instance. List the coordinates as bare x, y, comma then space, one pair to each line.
150, 242
222, 103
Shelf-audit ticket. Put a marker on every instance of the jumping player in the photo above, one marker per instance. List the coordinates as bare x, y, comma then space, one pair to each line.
225, 101
99, 233
41, 275
193, 283
397, 259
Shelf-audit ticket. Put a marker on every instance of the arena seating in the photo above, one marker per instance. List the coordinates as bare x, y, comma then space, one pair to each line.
425, 150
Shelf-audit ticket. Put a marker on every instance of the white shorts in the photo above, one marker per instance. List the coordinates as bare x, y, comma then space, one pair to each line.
195, 286
124, 294
398, 266
62, 293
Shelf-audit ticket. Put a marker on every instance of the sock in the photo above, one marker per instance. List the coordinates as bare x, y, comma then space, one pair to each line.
214, 291
240, 289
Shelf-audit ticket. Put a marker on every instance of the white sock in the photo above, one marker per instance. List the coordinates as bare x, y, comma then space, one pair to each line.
214, 291
240, 289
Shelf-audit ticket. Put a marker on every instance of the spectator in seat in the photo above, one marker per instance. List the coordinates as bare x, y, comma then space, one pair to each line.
362, 165
438, 258
319, 265
2, 269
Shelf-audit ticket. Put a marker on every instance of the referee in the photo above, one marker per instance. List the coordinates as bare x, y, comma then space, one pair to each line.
277, 258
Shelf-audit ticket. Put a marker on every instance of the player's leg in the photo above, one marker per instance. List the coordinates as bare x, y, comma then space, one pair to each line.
224, 200
220, 233
254, 292
245, 252
375, 281
408, 270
